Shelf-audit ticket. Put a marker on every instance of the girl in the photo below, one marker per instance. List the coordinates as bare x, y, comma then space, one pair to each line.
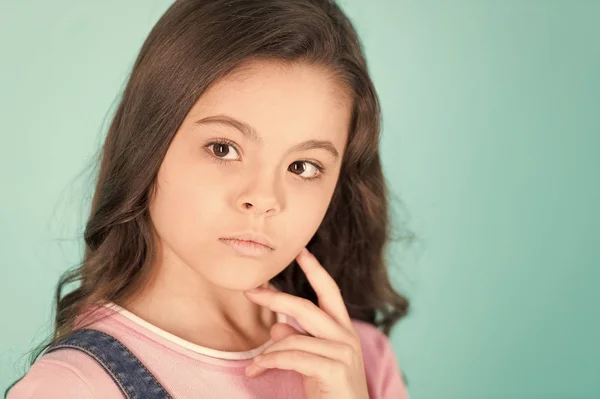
248, 130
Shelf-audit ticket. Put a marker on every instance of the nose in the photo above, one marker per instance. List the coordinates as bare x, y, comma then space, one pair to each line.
259, 207
261, 197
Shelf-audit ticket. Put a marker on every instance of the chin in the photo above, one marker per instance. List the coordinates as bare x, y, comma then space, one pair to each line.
237, 274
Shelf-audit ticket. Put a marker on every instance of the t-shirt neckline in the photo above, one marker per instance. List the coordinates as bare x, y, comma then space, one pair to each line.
229, 355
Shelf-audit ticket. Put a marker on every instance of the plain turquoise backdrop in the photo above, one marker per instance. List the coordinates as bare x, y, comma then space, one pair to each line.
491, 142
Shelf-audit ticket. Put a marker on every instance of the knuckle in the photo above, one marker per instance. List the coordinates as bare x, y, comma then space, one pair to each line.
353, 341
347, 354
336, 370
307, 305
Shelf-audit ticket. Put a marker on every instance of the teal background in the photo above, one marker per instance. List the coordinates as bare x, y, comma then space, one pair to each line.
491, 141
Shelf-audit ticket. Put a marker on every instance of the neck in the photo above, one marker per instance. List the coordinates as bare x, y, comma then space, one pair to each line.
182, 303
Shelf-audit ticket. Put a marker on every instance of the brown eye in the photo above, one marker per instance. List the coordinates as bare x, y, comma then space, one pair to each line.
300, 167
222, 150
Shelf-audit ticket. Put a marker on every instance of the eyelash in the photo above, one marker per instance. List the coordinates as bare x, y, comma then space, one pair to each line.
216, 159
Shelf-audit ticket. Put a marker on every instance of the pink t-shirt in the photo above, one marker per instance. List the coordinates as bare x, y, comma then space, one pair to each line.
187, 370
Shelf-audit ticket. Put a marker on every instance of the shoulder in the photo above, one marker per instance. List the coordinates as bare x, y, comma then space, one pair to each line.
370, 336
66, 373
381, 364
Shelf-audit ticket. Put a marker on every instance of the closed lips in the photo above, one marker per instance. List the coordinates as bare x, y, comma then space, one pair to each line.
248, 241
251, 238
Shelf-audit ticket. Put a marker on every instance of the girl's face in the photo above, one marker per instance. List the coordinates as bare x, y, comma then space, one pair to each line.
260, 151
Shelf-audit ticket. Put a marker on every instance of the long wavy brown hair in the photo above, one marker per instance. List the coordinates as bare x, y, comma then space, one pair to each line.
194, 44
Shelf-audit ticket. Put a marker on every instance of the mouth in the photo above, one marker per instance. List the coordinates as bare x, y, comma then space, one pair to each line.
253, 237
247, 247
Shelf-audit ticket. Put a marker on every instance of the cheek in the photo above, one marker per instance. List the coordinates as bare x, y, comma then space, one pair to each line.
185, 203
304, 216
297, 225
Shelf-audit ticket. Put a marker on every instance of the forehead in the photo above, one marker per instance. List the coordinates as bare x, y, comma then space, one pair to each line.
283, 102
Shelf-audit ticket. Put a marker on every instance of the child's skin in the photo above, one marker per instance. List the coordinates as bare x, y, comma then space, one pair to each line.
197, 293
329, 356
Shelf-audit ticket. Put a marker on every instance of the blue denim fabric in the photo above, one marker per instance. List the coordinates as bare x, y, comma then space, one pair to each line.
131, 376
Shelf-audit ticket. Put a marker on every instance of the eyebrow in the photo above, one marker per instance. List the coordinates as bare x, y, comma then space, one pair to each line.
250, 133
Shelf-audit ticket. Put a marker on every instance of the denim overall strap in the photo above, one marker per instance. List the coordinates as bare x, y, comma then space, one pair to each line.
131, 376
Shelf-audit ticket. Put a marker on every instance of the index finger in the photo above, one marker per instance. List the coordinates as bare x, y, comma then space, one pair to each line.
327, 290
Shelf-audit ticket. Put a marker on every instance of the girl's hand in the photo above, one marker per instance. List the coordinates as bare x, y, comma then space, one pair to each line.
330, 358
